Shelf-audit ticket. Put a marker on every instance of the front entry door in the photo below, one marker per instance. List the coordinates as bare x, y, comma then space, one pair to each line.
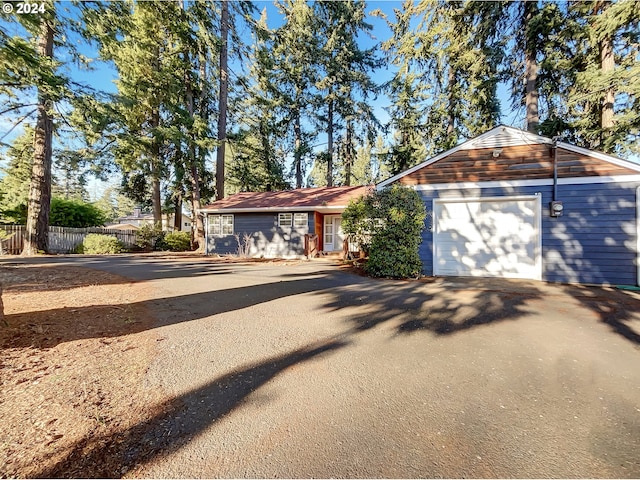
333, 235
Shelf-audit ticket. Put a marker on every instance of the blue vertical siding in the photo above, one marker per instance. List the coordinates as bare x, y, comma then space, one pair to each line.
595, 241
267, 238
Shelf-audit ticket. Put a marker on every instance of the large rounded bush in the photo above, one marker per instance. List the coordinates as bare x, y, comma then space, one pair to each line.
150, 237
96, 244
388, 223
177, 241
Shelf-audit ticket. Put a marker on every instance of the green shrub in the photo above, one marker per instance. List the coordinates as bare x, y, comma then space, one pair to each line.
150, 237
357, 224
388, 223
177, 241
96, 244
75, 214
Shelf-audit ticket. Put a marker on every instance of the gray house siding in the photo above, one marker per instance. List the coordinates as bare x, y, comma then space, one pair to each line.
266, 237
595, 241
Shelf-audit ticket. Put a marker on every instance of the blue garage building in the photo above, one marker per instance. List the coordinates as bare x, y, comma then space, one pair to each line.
513, 204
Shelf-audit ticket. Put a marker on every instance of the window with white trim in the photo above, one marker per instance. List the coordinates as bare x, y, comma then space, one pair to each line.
220, 224
300, 220
285, 219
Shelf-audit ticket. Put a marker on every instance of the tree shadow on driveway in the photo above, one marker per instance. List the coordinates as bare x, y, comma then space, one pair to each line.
618, 310
166, 311
131, 266
440, 306
178, 420
447, 305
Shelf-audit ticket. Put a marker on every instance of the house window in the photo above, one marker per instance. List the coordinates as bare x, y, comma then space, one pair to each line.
300, 220
285, 219
227, 224
220, 224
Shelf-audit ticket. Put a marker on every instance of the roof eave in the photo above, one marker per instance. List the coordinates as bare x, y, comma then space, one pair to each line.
600, 156
311, 208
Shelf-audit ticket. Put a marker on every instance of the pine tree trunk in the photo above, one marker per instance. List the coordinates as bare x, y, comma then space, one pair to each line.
607, 66
222, 110
37, 228
297, 154
404, 152
531, 69
451, 107
348, 161
177, 215
198, 221
154, 125
266, 154
156, 201
330, 141
198, 232
194, 177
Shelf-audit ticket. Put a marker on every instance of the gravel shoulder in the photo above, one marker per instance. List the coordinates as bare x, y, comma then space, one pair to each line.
306, 370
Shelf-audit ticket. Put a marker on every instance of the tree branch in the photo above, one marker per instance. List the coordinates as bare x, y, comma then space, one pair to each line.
16, 107
18, 123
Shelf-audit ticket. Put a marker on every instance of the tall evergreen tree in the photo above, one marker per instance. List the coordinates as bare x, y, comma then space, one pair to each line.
222, 108
461, 58
27, 63
263, 113
407, 94
138, 38
198, 43
604, 87
445, 87
345, 79
295, 53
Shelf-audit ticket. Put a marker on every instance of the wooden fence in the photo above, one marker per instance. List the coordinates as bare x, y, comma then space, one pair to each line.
62, 239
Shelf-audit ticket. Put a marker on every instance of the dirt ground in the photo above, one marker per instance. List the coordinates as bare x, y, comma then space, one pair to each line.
68, 378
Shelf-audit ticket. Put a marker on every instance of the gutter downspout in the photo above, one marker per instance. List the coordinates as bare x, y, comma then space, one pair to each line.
555, 168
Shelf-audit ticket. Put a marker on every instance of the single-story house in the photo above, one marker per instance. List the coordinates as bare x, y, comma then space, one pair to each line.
513, 204
279, 224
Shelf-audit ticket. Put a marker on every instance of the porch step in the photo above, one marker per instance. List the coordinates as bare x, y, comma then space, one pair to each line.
332, 254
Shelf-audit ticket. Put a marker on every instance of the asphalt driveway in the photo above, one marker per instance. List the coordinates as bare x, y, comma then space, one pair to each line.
305, 370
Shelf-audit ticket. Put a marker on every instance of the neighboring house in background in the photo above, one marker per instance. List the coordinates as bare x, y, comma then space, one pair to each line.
138, 219
168, 222
276, 223
513, 204
122, 226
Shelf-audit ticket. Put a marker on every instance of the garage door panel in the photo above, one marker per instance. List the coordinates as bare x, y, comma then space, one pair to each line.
498, 237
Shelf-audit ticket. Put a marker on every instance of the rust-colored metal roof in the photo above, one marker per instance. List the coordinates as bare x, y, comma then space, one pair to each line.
299, 199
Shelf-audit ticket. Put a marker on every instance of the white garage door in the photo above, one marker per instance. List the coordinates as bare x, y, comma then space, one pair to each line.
490, 237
